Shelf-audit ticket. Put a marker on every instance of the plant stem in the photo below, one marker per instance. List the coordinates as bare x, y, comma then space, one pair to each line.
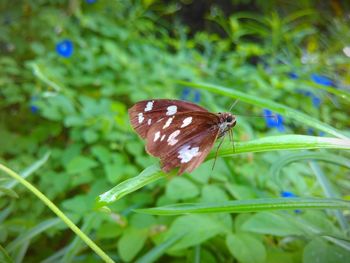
58, 212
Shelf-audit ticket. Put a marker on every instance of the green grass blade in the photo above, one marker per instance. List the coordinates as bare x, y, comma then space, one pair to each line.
159, 250
43, 226
28, 171
276, 107
272, 143
294, 157
245, 206
6, 257
149, 175
284, 142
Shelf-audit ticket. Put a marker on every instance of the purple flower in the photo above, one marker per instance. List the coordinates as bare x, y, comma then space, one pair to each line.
273, 120
65, 48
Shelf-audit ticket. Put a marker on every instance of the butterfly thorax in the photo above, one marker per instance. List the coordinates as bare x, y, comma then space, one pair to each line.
227, 121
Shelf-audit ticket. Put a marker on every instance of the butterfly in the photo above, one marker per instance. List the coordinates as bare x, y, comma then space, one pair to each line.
180, 133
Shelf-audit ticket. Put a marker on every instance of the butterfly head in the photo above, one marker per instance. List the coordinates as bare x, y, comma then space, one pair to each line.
227, 121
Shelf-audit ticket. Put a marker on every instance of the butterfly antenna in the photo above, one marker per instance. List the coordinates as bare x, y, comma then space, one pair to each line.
216, 154
233, 104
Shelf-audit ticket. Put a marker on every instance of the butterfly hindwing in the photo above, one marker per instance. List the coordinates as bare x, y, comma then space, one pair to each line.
146, 113
183, 139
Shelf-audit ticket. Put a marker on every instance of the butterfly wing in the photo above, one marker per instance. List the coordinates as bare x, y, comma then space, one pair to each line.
145, 113
183, 140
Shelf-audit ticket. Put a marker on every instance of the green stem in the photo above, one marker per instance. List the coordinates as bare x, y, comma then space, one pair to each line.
58, 212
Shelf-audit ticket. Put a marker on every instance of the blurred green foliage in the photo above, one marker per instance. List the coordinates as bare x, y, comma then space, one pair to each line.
71, 69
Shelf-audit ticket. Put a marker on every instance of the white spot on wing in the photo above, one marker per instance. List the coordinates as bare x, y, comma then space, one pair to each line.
156, 136
171, 110
161, 139
149, 121
186, 122
172, 137
141, 118
149, 105
168, 122
186, 153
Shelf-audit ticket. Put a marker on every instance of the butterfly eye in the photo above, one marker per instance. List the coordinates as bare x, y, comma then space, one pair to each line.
229, 119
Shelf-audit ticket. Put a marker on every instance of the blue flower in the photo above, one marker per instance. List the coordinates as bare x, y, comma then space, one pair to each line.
197, 96
287, 194
273, 122
34, 109
322, 80
90, 1
65, 48
321, 133
316, 101
191, 95
293, 75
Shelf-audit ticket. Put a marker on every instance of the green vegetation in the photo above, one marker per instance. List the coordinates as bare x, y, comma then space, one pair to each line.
76, 184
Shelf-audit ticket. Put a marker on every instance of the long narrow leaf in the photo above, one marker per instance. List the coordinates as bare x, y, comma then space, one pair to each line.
159, 250
149, 175
283, 142
274, 106
244, 206
43, 226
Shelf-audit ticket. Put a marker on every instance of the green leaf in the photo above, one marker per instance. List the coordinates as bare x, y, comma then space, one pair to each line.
244, 206
80, 164
197, 229
270, 223
246, 248
283, 142
180, 188
28, 235
274, 106
131, 243
28, 171
159, 250
5, 256
319, 251
8, 192
150, 174
293, 157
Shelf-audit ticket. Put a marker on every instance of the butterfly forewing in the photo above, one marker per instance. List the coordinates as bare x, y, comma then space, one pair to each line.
144, 114
183, 139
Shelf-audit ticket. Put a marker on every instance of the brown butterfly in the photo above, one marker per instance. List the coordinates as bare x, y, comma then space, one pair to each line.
180, 133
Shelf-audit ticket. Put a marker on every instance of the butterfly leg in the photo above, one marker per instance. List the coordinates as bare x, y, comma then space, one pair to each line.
217, 150
232, 140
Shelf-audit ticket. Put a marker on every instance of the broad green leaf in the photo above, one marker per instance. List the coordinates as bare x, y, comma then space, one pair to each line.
319, 251
270, 223
246, 248
130, 243
180, 188
80, 164
244, 206
196, 229
287, 112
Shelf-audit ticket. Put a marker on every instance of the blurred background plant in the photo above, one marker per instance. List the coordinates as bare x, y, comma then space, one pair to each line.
71, 69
